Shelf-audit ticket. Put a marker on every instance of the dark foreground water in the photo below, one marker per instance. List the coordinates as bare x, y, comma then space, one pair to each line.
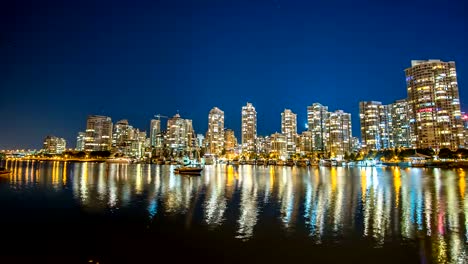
56, 212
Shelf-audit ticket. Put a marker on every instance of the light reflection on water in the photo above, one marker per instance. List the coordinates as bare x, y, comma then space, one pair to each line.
426, 206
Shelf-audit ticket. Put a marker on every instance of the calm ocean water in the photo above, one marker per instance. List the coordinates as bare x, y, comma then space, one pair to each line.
108, 213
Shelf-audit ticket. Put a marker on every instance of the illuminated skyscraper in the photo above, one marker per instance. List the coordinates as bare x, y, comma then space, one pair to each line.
278, 146
289, 129
54, 145
230, 141
249, 128
98, 133
339, 137
402, 135
155, 132
317, 115
305, 142
375, 120
180, 134
434, 100
80, 141
215, 133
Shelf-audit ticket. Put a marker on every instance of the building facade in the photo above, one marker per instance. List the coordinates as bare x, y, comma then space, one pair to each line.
376, 125
289, 129
230, 141
305, 142
54, 145
215, 133
180, 135
155, 133
339, 135
278, 146
317, 116
98, 133
80, 141
249, 128
402, 135
434, 100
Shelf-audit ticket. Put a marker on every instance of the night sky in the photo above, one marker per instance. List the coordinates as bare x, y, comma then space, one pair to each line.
63, 60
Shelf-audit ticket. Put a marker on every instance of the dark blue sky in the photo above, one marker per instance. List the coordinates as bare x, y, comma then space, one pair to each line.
63, 60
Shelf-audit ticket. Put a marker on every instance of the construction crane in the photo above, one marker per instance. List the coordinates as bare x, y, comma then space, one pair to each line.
159, 116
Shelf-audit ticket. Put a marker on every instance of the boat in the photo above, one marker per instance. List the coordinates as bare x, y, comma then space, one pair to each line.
190, 170
4, 172
325, 163
120, 160
290, 162
302, 163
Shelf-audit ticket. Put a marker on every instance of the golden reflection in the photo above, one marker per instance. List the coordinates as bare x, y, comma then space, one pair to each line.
439, 247
138, 179
333, 178
426, 205
363, 184
83, 189
397, 185
462, 183
55, 173
26, 173
64, 173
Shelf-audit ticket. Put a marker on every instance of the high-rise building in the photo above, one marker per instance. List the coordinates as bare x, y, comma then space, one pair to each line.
289, 129
215, 133
249, 128
127, 140
261, 145
54, 145
355, 144
98, 133
339, 136
180, 135
230, 141
305, 142
123, 134
80, 141
434, 100
155, 132
317, 115
278, 146
385, 127
402, 135
375, 120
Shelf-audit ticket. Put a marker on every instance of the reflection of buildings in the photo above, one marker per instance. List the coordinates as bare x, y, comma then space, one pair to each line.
215, 203
248, 213
380, 204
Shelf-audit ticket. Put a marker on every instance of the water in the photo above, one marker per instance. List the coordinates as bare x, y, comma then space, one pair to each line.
81, 212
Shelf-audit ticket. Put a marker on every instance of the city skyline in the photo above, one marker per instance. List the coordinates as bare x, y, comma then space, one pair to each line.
76, 59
